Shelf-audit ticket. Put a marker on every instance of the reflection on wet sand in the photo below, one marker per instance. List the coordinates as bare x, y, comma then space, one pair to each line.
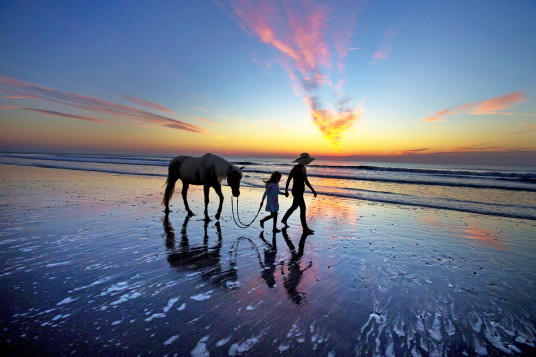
269, 263
294, 274
204, 259
489, 237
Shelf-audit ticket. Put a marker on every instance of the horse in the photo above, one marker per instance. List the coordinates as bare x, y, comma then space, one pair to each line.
208, 170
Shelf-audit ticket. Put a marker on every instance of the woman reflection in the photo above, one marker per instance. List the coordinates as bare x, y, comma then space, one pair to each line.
293, 277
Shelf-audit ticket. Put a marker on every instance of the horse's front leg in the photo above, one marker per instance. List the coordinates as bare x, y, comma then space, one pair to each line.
184, 198
217, 188
206, 190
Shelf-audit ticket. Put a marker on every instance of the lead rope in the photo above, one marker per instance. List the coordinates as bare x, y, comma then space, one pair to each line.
242, 225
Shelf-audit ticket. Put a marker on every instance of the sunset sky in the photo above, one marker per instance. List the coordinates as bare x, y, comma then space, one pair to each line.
399, 80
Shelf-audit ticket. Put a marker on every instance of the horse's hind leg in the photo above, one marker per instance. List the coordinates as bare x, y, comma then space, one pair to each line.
206, 190
184, 198
217, 188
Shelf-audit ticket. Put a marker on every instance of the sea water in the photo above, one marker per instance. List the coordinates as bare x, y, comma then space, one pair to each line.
491, 190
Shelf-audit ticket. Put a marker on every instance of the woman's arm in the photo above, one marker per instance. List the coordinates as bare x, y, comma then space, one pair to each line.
290, 176
309, 185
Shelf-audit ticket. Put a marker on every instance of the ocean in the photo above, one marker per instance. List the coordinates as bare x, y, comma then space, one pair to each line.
490, 190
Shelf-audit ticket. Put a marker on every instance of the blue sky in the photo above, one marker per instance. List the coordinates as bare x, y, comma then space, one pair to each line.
384, 78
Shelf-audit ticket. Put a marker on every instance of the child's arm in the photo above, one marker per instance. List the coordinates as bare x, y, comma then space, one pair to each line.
263, 197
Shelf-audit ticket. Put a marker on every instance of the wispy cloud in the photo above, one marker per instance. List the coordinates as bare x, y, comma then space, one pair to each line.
385, 49
495, 106
63, 115
93, 104
148, 104
412, 151
208, 121
313, 46
528, 128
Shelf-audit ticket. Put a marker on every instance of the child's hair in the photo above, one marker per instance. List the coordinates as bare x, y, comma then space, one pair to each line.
276, 175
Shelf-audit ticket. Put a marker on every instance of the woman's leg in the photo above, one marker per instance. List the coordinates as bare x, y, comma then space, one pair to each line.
290, 210
303, 211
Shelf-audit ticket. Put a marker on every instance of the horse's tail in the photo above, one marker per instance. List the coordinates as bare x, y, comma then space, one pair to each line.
173, 176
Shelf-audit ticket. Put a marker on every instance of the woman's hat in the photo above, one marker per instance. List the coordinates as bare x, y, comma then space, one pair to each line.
304, 159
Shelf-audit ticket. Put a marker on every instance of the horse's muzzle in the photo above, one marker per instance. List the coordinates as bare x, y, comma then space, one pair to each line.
236, 193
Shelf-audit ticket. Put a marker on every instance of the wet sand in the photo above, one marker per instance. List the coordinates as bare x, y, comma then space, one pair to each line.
89, 264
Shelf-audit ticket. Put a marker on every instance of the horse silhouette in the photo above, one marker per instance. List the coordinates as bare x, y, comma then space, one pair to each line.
208, 170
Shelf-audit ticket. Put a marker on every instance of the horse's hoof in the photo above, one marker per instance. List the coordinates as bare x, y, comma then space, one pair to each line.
190, 214
207, 219
217, 216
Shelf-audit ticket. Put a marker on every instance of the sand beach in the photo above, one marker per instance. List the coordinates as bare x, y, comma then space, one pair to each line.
89, 264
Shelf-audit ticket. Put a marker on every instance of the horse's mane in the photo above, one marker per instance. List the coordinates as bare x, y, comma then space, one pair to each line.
221, 166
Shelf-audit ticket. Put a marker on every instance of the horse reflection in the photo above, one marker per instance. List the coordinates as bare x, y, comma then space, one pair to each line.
292, 279
200, 258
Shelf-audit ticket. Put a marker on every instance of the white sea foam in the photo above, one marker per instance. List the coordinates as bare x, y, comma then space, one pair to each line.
115, 288
200, 350
126, 297
155, 316
100, 281
172, 339
67, 300
201, 297
57, 264
238, 348
170, 304
223, 341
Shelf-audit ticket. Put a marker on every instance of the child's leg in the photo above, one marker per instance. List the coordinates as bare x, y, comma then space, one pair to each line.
274, 215
265, 219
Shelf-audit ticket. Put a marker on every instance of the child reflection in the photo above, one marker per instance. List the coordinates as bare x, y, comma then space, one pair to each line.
203, 258
269, 264
293, 277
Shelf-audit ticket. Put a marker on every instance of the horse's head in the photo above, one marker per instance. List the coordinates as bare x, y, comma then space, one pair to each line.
233, 179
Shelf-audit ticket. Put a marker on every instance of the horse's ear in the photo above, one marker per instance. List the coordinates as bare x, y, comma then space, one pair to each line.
242, 168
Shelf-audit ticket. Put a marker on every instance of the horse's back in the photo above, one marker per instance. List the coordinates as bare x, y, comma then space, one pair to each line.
201, 170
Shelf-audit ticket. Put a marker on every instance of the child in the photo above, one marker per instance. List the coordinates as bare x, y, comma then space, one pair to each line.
272, 204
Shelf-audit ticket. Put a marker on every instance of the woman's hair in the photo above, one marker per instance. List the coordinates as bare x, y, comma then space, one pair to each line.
276, 175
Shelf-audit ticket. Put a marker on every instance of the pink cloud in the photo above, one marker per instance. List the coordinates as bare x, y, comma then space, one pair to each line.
385, 49
312, 45
489, 106
208, 121
148, 104
94, 104
494, 105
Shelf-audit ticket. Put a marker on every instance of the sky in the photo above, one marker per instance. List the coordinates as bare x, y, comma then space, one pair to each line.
439, 81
